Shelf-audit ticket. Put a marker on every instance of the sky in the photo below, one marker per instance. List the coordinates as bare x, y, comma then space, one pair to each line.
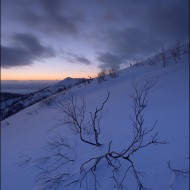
55, 39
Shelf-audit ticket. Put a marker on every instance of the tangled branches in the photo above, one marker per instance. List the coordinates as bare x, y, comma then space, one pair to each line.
179, 172
75, 117
54, 168
115, 160
57, 167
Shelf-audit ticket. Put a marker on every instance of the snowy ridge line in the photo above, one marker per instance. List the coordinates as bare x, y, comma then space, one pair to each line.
9, 102
171, 53
12, 106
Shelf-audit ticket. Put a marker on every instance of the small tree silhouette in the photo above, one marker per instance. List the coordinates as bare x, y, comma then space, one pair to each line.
101, 76
113, 72
74, 110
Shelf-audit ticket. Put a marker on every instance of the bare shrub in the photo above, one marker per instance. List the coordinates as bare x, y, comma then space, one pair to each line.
176, 52
101, 76
152, 61
179, 172
114, 159
48, 101
56, 167
164, 58
113, 72
74, 110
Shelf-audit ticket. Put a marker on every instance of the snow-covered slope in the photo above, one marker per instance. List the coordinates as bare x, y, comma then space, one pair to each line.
12, 106
27, 132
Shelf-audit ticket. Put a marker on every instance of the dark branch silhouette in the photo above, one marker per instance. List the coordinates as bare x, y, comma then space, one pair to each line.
74, 111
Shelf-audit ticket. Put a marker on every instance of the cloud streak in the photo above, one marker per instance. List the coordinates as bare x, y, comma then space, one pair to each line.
74, 58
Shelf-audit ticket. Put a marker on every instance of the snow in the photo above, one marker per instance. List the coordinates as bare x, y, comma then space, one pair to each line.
28, 131
9, 107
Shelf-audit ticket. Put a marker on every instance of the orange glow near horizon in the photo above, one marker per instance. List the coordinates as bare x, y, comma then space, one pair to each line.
51, 69
21, 75
48, 71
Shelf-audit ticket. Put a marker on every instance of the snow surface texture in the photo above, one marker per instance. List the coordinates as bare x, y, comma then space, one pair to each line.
27, 132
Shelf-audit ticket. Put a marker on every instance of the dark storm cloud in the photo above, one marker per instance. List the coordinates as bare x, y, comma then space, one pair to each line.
26, 49
109, 60
13, 56
169, 19
161, 16
127, 44
51, 17
146, 27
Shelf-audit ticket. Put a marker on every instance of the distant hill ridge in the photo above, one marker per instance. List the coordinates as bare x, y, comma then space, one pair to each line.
12, 106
